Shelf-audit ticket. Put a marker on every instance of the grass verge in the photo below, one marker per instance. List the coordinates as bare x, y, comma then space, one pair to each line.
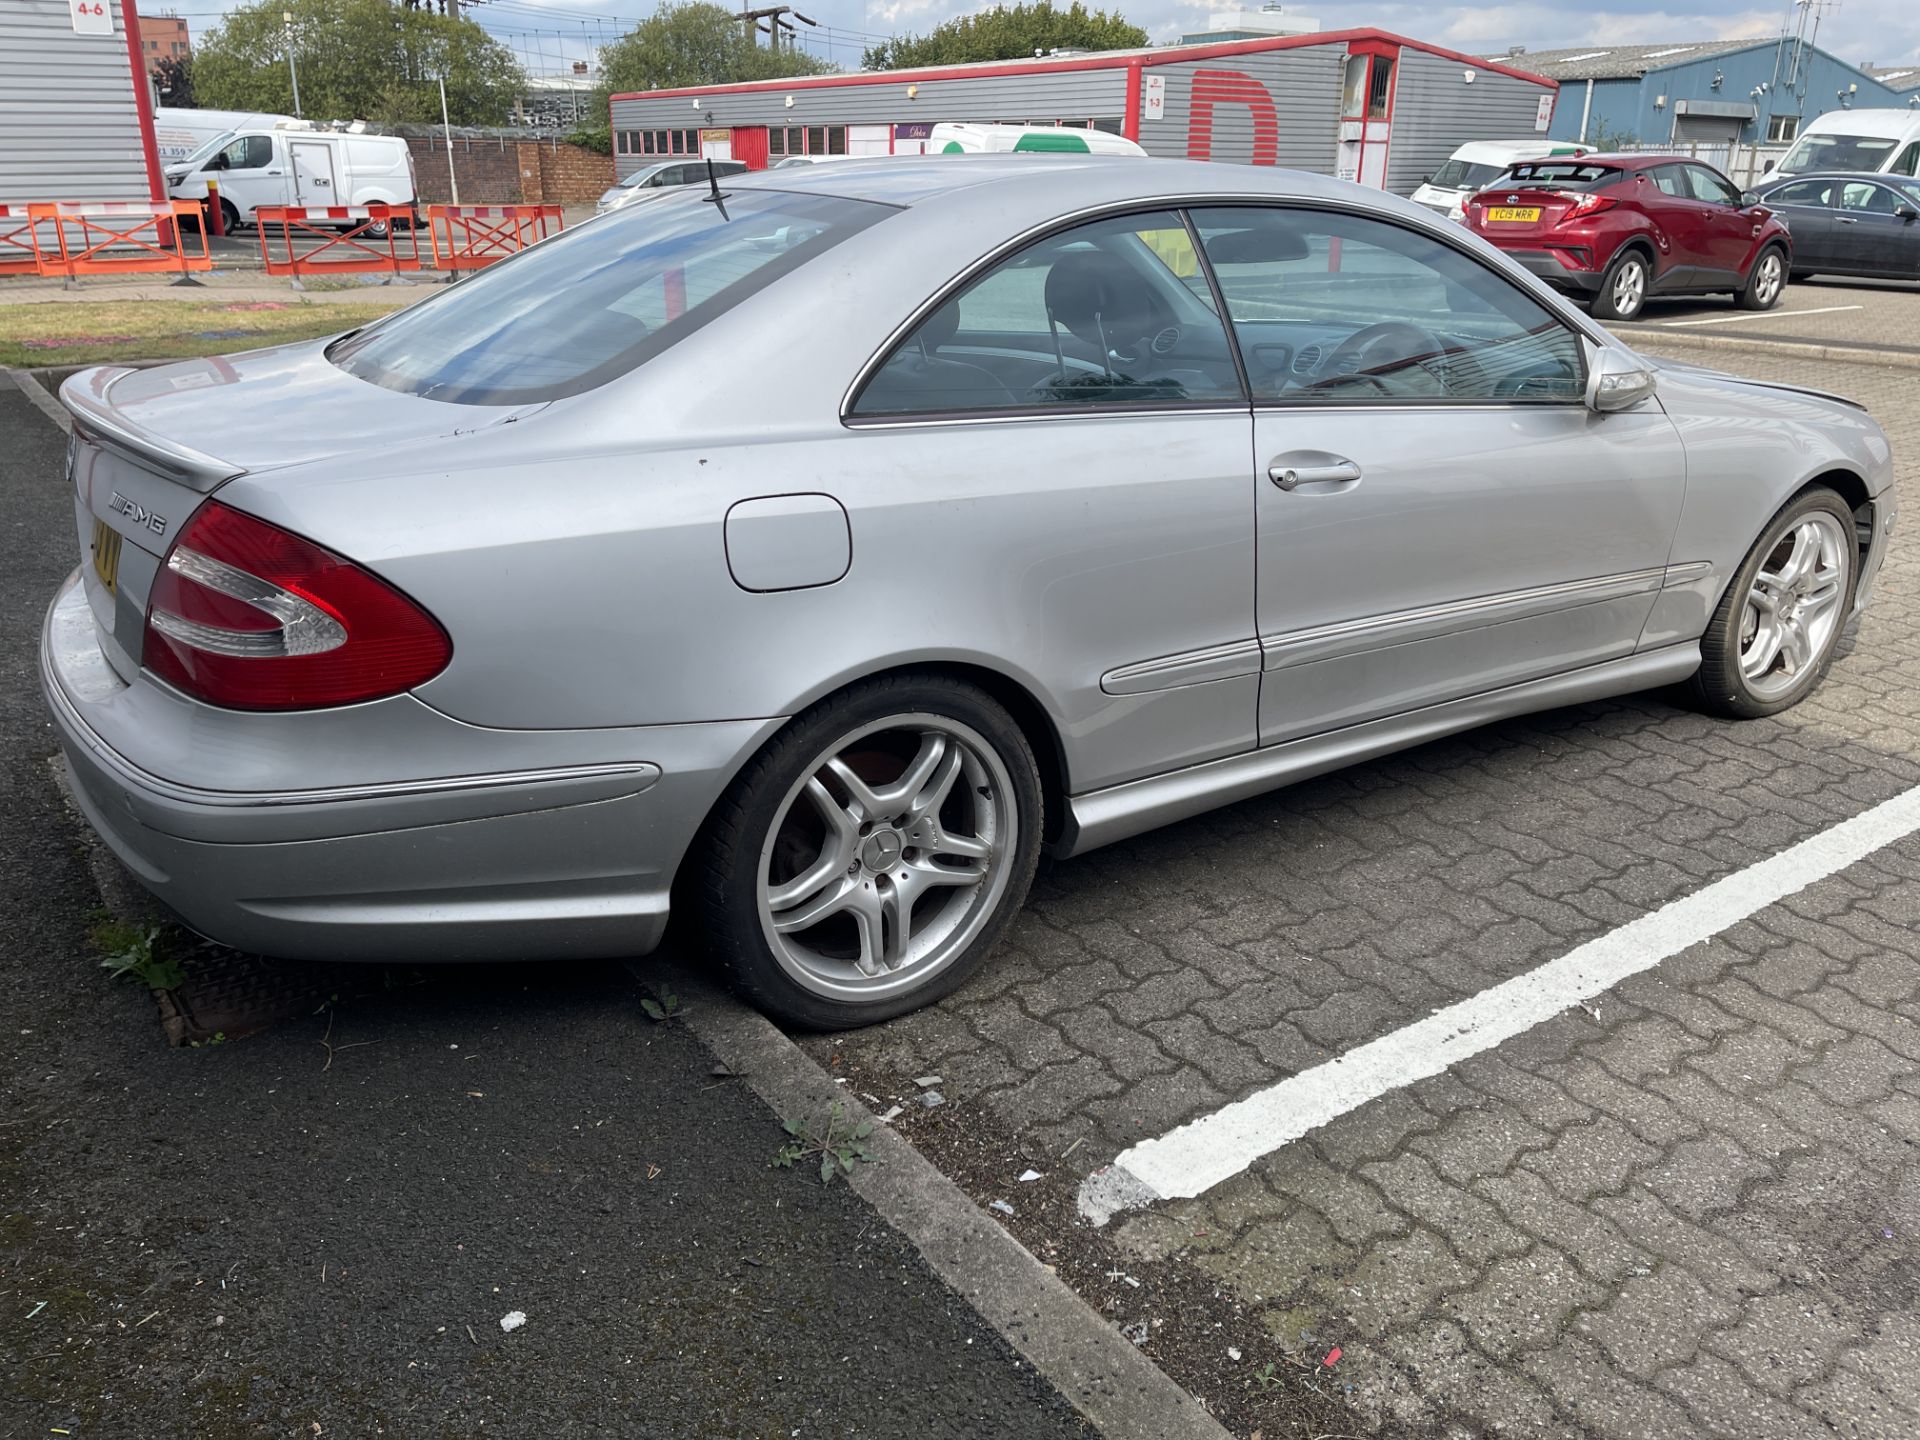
103, 331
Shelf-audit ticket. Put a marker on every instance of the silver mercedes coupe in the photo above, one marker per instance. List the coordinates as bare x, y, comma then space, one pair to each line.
809, 552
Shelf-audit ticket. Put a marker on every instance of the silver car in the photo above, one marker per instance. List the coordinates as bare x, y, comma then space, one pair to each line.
644, 182
812, 557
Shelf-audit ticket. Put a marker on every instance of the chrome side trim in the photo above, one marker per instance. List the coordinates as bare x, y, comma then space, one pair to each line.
1189, 667
1104, 816
1015, 414
1375, 632
642, 775
1686, 573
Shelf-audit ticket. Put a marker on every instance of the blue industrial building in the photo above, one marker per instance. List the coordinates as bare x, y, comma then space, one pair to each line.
1720, 92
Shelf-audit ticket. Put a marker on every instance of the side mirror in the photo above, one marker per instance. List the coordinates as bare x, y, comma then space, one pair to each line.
1749, 199
1907, 212
1615, 380
1769, 167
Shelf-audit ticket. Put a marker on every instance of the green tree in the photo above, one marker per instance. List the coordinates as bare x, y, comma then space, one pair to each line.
690, 43
1009, 32
358, 59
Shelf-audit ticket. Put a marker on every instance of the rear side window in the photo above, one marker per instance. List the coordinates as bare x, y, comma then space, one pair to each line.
594, 302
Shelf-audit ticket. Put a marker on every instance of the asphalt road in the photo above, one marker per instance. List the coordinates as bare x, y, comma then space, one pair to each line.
271, 1237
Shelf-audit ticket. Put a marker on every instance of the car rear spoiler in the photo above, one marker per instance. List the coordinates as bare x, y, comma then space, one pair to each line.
87, 398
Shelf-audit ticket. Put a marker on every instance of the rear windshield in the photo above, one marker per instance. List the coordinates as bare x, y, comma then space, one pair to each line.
1562, 174
1464, 175
1837, 152
596, 301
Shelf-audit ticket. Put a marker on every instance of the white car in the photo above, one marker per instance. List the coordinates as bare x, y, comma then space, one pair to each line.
690, 170
1477, 164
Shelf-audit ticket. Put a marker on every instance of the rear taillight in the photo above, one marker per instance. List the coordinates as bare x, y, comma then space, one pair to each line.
248, 616
1589, 204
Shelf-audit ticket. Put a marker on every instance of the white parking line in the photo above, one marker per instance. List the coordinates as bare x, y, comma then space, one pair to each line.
1759, 315
1199, 1155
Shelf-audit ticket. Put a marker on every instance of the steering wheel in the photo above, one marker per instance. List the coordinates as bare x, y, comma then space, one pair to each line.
1377, 345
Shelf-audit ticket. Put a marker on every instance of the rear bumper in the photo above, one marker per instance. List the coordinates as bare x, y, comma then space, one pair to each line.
522, 859
1558, 269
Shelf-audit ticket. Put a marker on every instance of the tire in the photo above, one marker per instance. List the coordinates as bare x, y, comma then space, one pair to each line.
1623, 289
791, 837
1766, 281
1727, 682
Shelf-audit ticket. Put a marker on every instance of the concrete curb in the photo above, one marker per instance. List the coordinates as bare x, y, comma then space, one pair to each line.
41, 400
1124, 1394
1789, 349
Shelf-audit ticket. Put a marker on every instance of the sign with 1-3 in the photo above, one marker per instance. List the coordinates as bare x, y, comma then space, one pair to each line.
91, 17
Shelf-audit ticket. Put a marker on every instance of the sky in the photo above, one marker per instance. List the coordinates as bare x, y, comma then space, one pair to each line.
547, 35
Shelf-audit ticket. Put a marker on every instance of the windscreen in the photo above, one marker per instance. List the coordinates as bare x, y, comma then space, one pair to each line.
1837, 152
1464, 175
596, 301
205, 153
1561, 175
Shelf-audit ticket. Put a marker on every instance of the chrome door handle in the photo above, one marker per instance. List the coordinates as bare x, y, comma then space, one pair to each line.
1292, 477
1845, 220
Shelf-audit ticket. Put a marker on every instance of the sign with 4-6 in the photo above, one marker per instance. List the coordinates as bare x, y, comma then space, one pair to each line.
91, 17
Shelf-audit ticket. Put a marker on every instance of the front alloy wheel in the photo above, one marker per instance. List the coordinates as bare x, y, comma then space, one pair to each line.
1775, 631
867, 861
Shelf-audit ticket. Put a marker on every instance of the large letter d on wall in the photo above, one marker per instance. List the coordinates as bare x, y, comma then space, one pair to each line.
1230, 87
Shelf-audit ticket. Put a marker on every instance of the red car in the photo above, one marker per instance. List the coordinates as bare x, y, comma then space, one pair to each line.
1615, 229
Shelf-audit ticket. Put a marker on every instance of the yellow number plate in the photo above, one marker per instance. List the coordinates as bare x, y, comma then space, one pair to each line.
1513, 213
106, 554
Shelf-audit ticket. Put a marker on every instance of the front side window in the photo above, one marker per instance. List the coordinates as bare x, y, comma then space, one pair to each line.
1908, 161
249, 152
1114, 313
1813, 193
1712, 187
592, 303
1340, 309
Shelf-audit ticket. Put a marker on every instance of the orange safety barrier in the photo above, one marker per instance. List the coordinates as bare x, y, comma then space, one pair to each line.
356, 250
469, 237
107, 237
19, 241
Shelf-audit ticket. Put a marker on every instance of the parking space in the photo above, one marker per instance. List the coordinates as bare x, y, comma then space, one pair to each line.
1825, 310
1684, 1206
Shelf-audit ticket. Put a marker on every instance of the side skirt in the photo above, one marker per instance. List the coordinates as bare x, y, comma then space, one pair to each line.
1104, 816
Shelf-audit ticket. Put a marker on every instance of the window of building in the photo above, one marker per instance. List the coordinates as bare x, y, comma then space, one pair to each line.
1380, 88
1782, 128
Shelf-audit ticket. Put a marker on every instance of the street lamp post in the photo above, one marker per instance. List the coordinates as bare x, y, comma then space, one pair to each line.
446, 129
293, 73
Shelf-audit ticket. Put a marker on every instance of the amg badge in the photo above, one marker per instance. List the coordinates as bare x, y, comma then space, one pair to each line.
137, 513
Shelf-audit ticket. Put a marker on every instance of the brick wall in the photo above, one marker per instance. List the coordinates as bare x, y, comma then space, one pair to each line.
508, 172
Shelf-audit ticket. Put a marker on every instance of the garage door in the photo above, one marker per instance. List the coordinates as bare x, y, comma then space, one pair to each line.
1705, 129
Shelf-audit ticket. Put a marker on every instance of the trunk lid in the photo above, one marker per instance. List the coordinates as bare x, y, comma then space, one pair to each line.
150, 445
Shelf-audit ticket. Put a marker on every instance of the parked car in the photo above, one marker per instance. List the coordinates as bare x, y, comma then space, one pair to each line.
295, 163
1479, 163
650, 178
1615, 229
1851, 224
951, 138
495, 627
1883, 142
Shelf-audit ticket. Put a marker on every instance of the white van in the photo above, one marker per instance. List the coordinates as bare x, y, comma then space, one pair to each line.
948, 138
181, 132
1882, 141
294, 163
1477, 164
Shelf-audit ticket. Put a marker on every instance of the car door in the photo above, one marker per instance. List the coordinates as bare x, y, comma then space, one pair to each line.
1078, 401
252, 172
1681, 221
1806, 206
1870, 235
1438, 514
1727, 227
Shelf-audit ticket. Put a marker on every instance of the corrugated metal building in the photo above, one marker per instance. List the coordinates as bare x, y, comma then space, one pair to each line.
1362, 104
76, 117
1716, 92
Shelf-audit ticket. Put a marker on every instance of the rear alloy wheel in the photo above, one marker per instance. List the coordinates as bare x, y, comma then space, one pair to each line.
1623, 290
1766, 282
868, 860
1776, 628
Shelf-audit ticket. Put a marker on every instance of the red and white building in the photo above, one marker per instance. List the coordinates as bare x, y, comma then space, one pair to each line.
1362, 104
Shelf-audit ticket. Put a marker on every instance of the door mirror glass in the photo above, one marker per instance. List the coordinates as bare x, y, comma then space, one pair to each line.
1615, 379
